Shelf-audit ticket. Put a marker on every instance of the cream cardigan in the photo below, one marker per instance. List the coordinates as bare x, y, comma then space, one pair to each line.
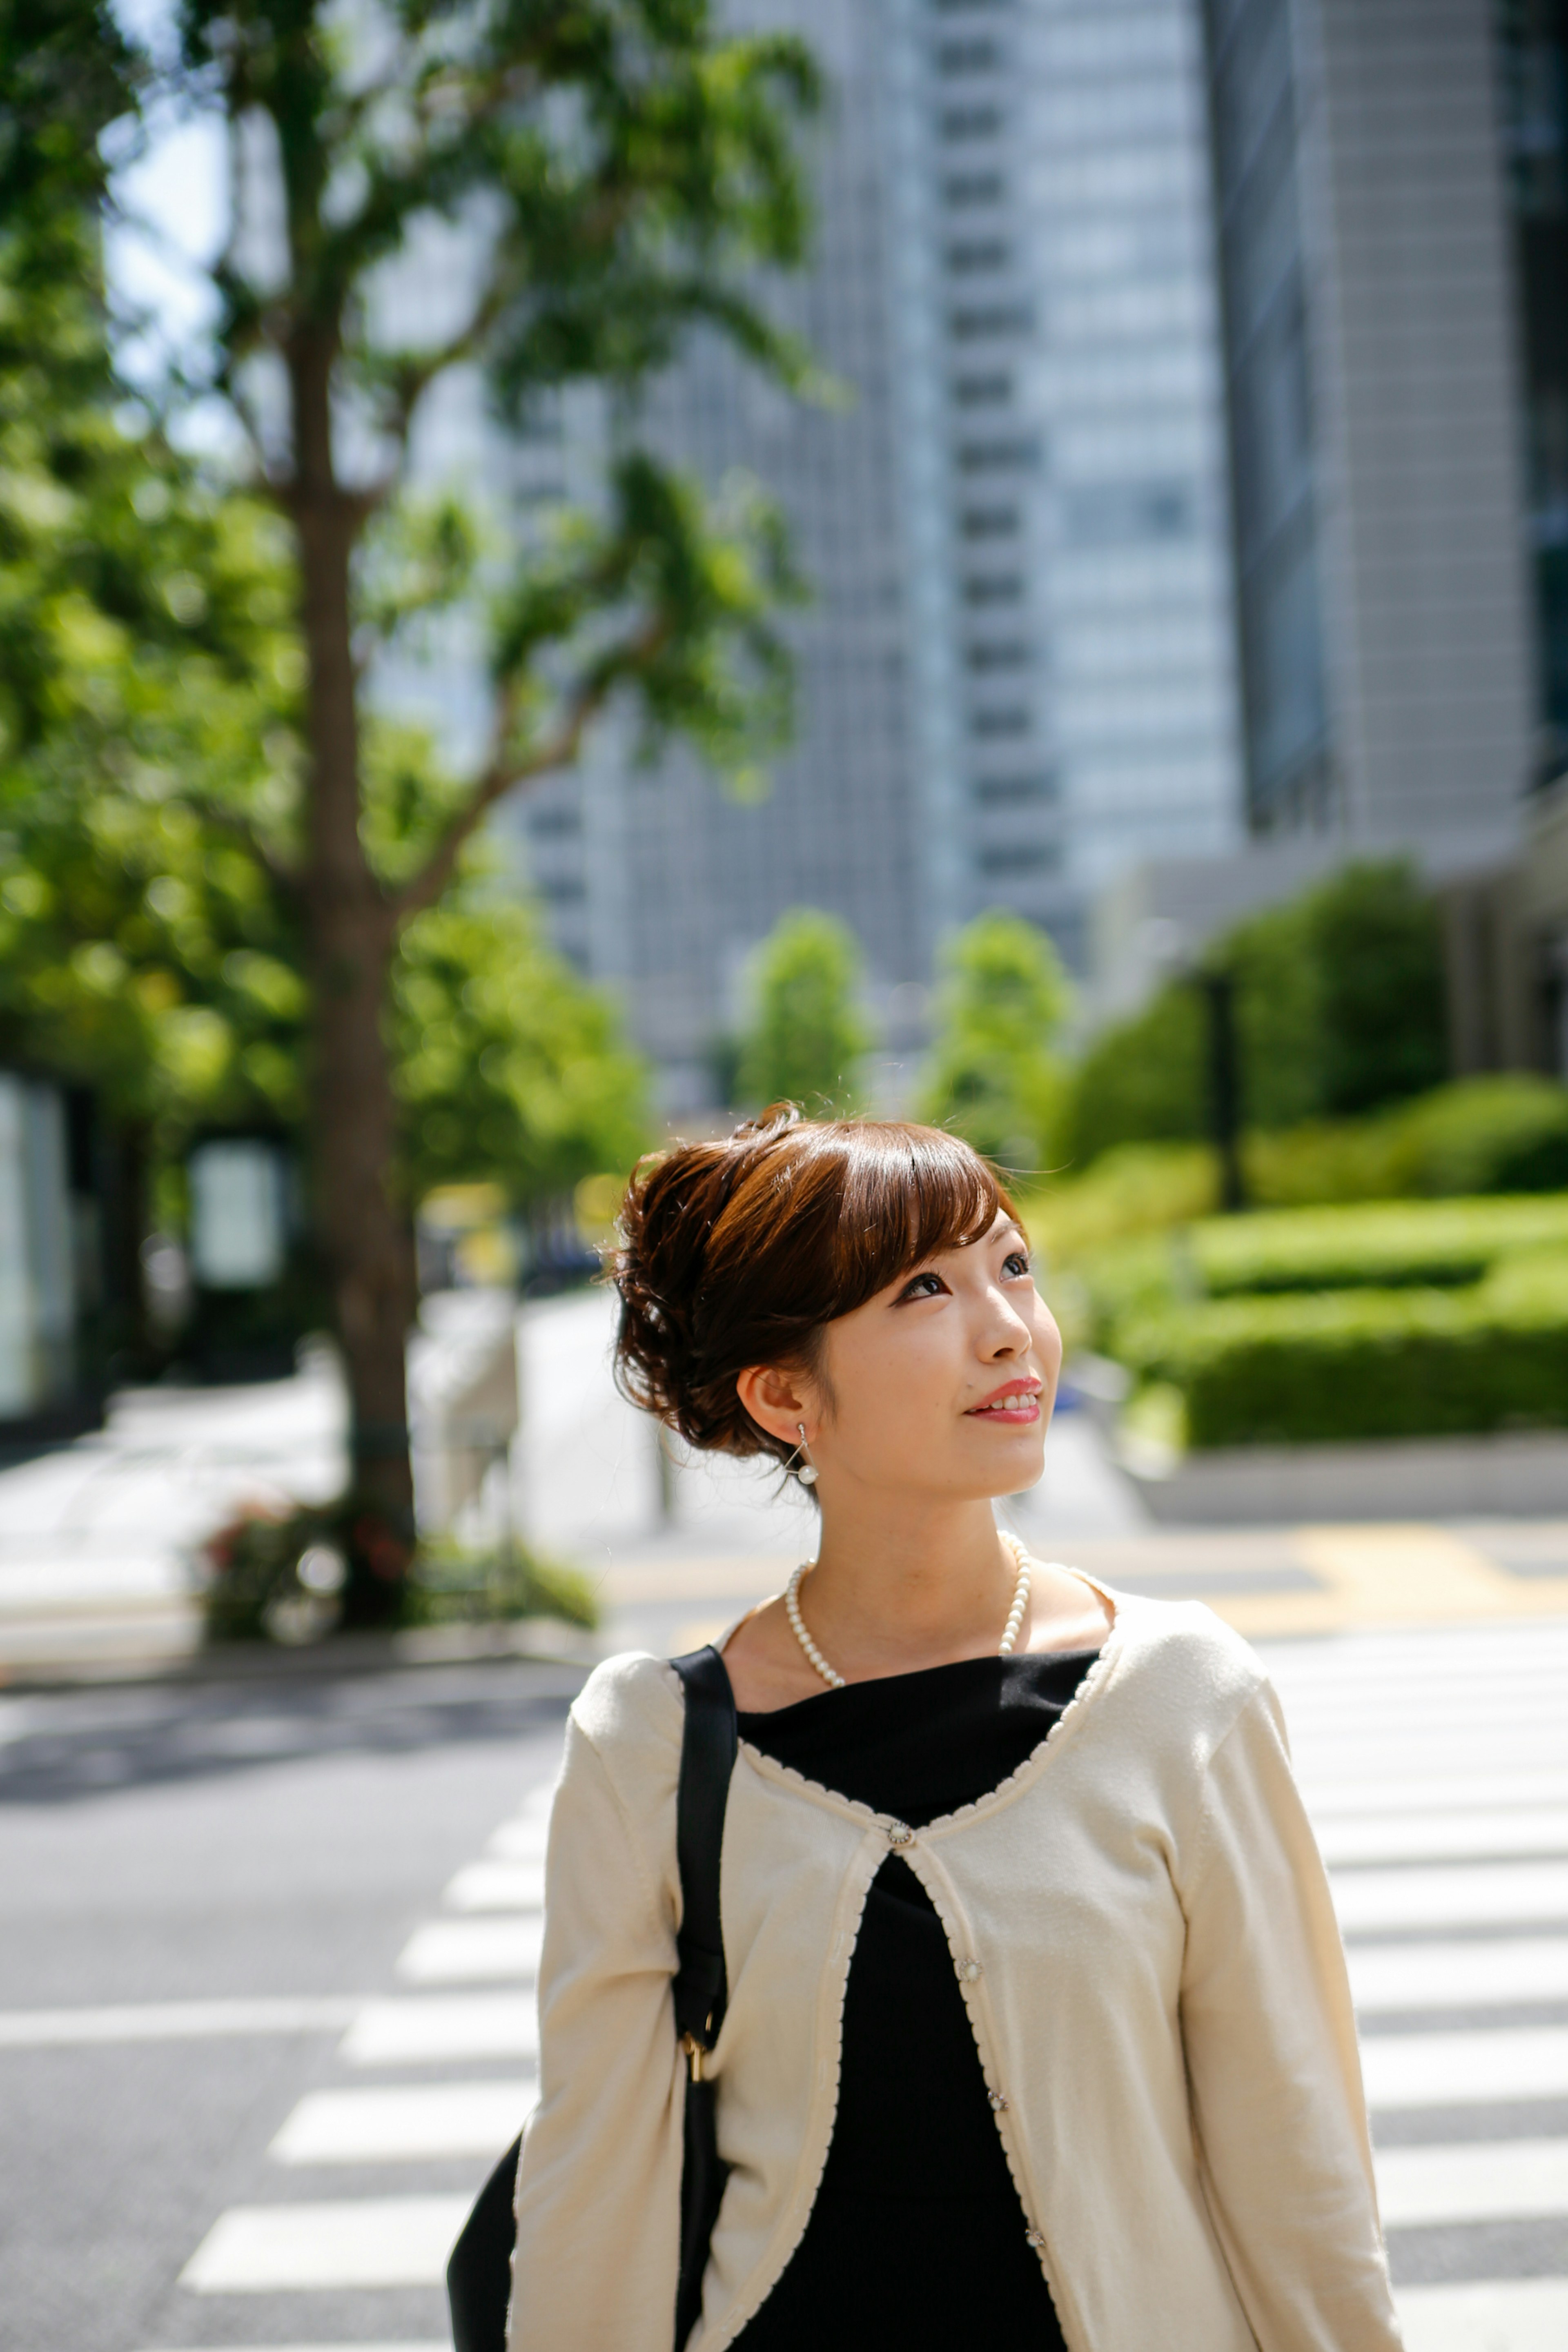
1141, 1929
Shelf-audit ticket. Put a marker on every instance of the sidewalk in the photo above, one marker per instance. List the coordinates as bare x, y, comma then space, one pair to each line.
98, 1538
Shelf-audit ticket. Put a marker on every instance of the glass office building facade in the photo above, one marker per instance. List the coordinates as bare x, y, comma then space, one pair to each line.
1017, 673
1532, 46
1387, 631
1258, 199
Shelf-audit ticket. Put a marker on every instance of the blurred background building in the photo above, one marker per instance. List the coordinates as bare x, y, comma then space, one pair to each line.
1017, 672
1190, 515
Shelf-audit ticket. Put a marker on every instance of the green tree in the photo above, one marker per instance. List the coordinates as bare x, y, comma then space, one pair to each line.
1379, 951
807, 1035
995, 1074
617, 173
147, 646
507, 1067
1339, 1010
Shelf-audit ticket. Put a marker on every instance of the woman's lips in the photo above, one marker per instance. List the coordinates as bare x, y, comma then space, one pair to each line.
1016, 1409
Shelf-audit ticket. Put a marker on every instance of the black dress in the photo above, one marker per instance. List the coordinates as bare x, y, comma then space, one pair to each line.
916, 2239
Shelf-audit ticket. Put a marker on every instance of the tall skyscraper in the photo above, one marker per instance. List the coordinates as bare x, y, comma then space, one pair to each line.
1388, 638
1017, 673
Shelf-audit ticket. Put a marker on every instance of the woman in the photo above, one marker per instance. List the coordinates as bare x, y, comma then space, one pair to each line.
1039, 2030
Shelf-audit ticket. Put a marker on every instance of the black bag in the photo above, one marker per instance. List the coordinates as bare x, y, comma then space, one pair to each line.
478, 2274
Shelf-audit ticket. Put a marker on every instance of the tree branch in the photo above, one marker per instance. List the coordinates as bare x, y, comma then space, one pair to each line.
230, 821
506, 772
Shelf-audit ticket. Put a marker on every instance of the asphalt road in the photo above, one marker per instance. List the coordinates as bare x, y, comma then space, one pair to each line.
167, 1849
266, 1985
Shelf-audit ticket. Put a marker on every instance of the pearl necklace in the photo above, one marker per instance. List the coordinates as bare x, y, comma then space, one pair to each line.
830, 1674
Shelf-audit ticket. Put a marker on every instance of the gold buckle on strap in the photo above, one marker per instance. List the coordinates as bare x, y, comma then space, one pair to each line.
695, 2055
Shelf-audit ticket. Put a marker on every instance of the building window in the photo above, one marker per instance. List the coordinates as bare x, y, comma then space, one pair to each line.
1014, 791
971, 122
975, 188
982, 390
1116, 514
996, 319
995, 588
999, 457
553, 823
1023, 857
995, 726
990, 522
1010, 655
564, 889
988, 253
968, 56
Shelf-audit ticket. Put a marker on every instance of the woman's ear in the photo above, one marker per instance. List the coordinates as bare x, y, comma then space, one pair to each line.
773, 1399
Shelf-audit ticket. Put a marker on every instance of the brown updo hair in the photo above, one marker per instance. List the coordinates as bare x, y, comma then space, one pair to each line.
737, 1253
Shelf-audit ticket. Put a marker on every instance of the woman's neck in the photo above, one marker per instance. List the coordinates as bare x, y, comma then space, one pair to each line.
908, 1585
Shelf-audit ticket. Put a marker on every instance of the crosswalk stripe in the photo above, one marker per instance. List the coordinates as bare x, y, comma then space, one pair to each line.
1492, 1721
523, 1840
1521, 2315
349, 2242
1410, 1796
1484, 1974
1475, 2181
170, 2020
1471, 1894
1513, 1747
457, 1951
503, 1886
442, 2027
1415, 1654
1395, 1837
380, 2126
1443, 2070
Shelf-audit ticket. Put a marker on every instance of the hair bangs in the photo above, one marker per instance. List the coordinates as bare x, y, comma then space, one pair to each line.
908, 1193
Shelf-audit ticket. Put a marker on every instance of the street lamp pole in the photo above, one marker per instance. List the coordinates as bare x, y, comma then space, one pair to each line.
1225, 1085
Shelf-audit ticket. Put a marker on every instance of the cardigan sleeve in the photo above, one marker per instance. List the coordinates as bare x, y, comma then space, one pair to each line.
1272, 2062
598, 2187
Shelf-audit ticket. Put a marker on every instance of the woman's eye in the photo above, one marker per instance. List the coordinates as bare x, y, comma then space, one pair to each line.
923, 1285
1016, 1262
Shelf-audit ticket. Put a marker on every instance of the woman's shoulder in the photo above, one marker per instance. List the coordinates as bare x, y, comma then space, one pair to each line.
1179, 1660
631, 1708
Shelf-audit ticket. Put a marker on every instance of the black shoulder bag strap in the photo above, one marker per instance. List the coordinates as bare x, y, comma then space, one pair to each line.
478, 2274
701, 1986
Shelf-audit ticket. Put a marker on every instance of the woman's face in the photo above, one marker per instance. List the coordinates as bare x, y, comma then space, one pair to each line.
943, 1382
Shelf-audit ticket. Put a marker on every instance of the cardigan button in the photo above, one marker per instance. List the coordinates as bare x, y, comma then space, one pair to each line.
969, 1971
900, 1834
998, 2102
1033, 2238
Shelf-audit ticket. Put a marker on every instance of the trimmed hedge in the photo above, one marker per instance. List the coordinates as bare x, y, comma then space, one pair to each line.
1382, 1246
1364, 1363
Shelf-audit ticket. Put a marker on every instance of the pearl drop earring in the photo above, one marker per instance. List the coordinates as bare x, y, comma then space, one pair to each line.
804, 1471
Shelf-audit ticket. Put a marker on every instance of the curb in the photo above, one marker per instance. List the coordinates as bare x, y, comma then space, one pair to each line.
542, 1642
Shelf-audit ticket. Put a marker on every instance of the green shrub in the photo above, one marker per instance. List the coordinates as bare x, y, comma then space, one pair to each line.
1329, 1159
1504, 1134
1362, 1363
1143, 1081
1381, 1245
1339, 1009
1376, 947
457, 1585
294, 1575
1140, 1188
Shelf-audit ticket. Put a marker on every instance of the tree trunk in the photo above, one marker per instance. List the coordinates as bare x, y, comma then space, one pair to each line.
366, 1236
